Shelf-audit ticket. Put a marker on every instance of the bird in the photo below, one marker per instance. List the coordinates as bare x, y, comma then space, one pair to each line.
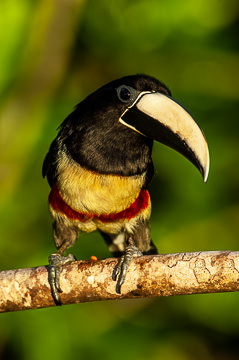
100, 164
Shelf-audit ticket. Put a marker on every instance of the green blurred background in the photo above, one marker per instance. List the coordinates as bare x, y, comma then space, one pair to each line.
53, 53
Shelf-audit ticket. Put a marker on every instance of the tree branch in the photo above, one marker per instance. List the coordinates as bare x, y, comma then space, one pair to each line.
148, 276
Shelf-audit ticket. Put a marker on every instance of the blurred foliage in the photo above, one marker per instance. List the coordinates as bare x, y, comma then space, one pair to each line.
53, 53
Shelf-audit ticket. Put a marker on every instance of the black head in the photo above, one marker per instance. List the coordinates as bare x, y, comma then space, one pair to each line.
95, 137
122, 93
113, 129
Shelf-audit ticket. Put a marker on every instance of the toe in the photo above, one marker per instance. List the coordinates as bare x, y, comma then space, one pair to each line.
121, 269
54, 270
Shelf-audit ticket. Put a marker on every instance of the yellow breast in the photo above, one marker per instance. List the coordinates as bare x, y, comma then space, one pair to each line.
88, 191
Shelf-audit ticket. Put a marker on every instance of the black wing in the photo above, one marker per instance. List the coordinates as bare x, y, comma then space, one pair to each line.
49, 168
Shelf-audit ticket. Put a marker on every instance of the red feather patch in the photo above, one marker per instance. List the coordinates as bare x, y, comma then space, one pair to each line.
56, 201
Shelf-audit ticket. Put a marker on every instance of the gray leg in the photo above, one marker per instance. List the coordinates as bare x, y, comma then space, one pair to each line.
142, 239
139, 243
121, 268
64, 238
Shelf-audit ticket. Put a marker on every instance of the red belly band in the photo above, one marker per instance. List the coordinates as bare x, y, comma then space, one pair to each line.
58, 204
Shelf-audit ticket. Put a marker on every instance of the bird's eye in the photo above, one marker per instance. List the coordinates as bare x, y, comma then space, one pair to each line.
125, 93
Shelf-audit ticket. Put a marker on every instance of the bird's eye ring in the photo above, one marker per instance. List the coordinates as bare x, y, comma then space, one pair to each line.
124, 93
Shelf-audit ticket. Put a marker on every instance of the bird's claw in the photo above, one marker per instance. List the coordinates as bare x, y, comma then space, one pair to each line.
120, 270
54, 270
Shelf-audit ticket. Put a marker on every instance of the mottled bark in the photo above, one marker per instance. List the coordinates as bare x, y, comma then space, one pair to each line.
148, 276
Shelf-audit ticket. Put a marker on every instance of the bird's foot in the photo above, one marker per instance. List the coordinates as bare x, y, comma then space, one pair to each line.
54, 269
120, 270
